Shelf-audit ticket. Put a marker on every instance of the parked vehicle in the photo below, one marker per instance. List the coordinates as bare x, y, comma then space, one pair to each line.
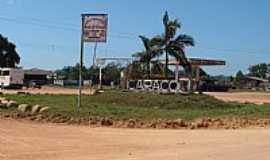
11, 78
212, 86
33, 84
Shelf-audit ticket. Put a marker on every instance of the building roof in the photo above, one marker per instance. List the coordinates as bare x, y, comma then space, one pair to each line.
36, 71
257, 79
195, 61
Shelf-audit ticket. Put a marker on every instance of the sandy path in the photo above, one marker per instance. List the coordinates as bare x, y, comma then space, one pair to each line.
243, 97
21, 140
46, 90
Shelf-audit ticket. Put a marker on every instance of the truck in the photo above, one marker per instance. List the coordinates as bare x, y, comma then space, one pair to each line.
11, 78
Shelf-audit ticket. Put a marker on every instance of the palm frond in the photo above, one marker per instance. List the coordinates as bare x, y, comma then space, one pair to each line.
157, 52
179, 54
165, 18
184, 39
137, 54
146, 42
176, 23
141, 56
157, 41
171, 29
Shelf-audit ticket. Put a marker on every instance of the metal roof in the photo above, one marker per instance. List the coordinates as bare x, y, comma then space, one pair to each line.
257, 79
36, 71
195, 61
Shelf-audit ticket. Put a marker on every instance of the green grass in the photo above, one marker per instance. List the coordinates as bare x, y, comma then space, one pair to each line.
144, 106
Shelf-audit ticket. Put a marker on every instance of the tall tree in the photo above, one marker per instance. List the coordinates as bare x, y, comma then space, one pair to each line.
151, 51
112, 72
175, 45
72, 72
261, 70
238, 78
8, 54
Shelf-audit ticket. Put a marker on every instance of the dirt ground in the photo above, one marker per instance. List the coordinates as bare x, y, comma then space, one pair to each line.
243, 97
47, 90
24, 140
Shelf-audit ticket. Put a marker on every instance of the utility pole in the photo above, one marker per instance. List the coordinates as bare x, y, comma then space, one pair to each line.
95, 55
81, 64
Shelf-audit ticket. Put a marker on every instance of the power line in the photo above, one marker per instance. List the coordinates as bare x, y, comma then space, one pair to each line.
62, 23
71, 48
57, 26
62, 26
61, 46
37, 24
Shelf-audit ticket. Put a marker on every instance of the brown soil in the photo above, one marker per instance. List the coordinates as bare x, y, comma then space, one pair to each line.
243, 97
24, 140
47, 90
202, 123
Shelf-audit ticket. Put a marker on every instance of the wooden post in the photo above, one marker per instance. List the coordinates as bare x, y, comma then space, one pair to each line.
177, 71
95, 55
197, 76
197, 73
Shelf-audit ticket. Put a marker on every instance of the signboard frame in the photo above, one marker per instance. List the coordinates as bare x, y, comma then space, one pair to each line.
102, 29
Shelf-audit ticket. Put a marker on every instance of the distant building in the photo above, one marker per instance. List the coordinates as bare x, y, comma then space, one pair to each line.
255, 83
38, 76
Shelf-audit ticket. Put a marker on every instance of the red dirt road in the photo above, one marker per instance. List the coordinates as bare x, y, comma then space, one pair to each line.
47, 90
23, 140
243, 97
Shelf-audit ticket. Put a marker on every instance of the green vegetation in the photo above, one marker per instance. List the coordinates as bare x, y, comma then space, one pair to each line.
111, 73
144, 106
8, 54
261, 70
168, 43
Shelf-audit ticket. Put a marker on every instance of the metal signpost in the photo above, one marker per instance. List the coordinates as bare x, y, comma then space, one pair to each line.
100, 62
93, 29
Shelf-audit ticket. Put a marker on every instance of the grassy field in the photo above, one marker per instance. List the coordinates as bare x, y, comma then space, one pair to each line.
144, 106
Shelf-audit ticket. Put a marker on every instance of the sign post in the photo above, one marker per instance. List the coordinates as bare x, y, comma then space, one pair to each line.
93, 29
100, 62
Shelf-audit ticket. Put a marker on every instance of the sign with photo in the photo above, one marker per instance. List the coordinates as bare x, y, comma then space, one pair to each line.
94, 27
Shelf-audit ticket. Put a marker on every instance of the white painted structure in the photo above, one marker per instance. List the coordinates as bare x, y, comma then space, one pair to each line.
11, 77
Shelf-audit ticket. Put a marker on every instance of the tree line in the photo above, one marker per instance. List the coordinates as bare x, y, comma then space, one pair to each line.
110, 73
9, 57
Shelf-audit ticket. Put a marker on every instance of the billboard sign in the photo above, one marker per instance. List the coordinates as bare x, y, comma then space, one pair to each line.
100, 61
94, 27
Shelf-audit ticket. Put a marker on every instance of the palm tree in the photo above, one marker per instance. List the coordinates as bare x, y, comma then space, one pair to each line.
151, 51
8, 54
170, 44
175, 45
